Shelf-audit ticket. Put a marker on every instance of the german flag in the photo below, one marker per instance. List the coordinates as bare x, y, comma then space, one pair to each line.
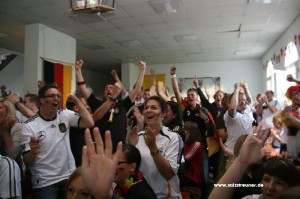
61, 75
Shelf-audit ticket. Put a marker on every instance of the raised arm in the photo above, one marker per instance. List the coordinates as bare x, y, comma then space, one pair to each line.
234, 100
290, 78
14, 98
139, 81
250, 153
204, 100
114, 73
86, 120
247, 92
161, 91
106, 105
175, 87
99, 164
80, 80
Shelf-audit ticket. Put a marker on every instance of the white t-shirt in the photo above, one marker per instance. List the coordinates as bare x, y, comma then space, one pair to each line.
10, 175
238, 125
267, 114
170, 149
54, 161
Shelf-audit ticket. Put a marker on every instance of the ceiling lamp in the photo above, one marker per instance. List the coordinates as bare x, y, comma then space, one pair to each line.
90, 6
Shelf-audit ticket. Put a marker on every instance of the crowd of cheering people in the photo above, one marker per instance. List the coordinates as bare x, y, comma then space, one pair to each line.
145, 143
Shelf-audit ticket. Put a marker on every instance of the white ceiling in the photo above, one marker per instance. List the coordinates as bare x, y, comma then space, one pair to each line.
201, 30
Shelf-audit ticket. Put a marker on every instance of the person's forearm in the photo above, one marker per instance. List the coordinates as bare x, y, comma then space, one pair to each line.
234, 102
233, 175
163, 166
24, 110
272, 108
81, 84
102, 110
176, 89
86, 120
259, 109
29, 158
248, 95
138, 85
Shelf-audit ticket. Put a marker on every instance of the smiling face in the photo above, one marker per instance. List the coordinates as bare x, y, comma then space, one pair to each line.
192, 98
50, 102
272, 186
153, 113
77, 189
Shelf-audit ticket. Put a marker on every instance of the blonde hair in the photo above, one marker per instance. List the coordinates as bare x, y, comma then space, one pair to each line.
11, 117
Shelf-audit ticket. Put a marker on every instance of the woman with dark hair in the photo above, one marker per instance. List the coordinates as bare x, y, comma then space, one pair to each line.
130, 182
173, 118
160, 150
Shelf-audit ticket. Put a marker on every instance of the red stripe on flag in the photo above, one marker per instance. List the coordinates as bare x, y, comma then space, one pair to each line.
59, 77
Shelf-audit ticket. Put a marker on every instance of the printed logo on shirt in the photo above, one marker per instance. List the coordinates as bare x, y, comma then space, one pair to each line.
62, 127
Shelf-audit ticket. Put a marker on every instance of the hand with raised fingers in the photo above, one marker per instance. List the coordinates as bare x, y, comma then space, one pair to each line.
99, 164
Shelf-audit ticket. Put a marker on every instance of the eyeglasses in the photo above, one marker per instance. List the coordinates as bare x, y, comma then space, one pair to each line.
53, 96
123, 162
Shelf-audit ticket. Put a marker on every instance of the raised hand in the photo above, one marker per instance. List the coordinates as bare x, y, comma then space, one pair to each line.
99, 165
142, 65
133, 136
173, 69
78, 64
196, 82
150, 138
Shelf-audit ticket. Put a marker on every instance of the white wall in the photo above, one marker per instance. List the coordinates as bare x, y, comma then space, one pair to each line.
229, 72
44, 42
13, 75
283, 41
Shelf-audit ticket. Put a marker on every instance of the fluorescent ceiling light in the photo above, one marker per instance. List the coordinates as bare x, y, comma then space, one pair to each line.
181, 38
166, 6
262, 1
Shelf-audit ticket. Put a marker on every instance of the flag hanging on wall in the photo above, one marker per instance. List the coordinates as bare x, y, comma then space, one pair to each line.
61, 75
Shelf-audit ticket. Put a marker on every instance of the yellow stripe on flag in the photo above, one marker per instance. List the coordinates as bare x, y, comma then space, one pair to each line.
67, 83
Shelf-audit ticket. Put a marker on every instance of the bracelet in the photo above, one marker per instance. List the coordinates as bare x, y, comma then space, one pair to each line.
80, 83
154, 153
173, 75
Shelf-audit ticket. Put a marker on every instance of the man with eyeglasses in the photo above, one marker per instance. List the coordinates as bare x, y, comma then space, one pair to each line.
48, 155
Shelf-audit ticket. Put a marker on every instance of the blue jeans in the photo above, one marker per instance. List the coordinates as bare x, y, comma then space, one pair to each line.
54, 191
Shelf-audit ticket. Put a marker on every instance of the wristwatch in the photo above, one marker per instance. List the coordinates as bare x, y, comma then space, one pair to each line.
111, 98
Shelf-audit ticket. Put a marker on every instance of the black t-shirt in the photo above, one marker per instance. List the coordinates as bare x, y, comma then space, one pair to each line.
117, 125
192, 115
